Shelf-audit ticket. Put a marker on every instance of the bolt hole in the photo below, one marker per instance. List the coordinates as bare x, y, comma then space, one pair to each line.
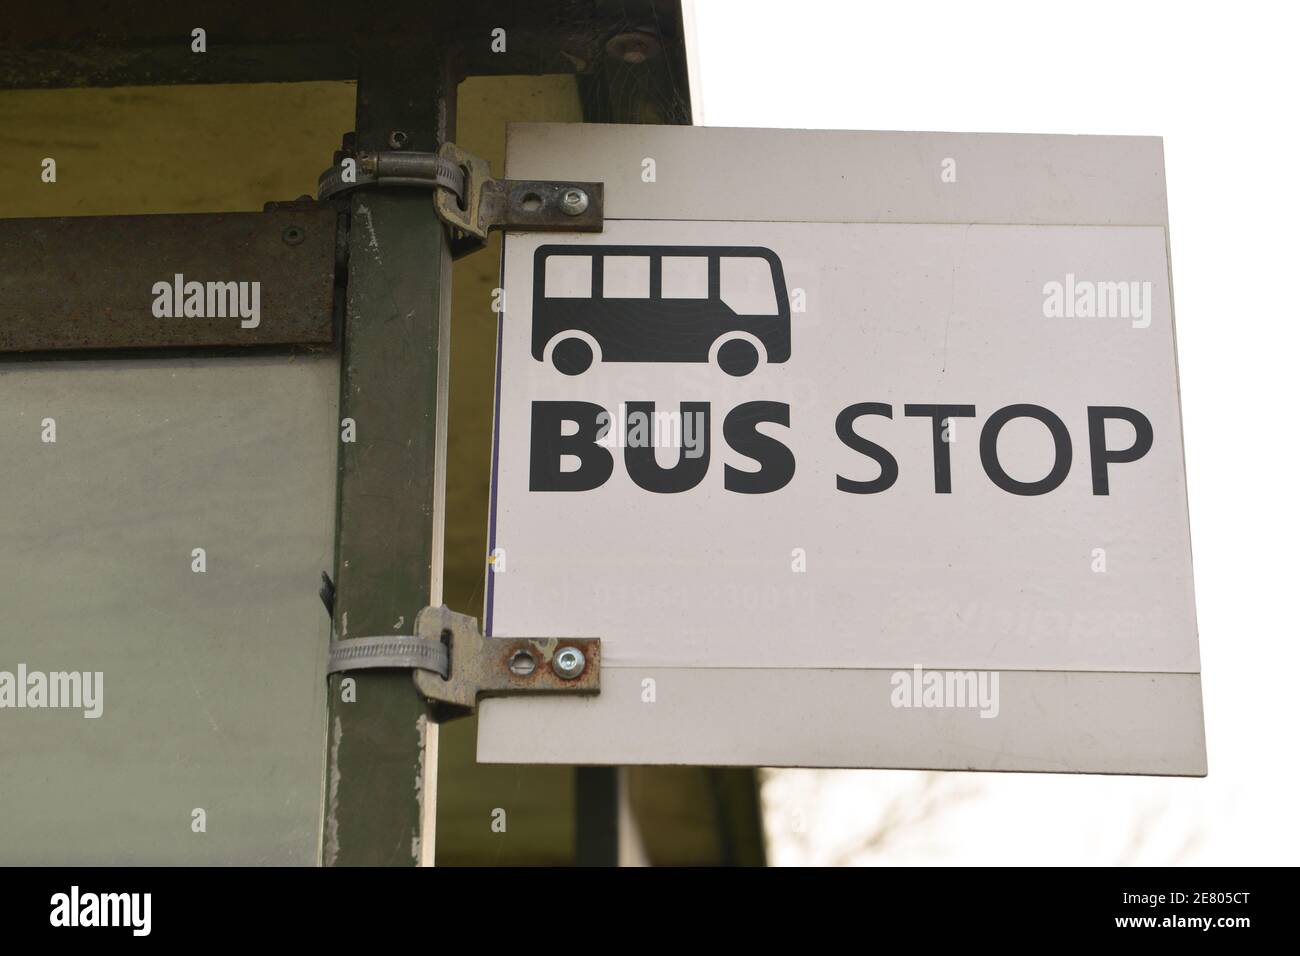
293, 235
445, 638
463, 201
531, 202
522, 664
397, 139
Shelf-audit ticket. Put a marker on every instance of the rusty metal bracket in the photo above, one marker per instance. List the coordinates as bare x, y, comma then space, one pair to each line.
454, 665
501, 666
523, 205
467, 197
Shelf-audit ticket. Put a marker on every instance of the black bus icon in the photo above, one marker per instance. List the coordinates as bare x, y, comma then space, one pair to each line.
721, 304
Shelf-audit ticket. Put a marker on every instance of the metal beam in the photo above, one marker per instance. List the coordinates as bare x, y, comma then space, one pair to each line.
61, 43
88, 282
389, 553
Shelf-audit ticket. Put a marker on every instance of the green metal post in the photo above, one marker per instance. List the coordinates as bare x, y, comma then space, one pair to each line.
388, 561
596, 816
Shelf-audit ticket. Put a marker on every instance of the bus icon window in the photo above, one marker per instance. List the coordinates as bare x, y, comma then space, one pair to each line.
717, 304
626, 277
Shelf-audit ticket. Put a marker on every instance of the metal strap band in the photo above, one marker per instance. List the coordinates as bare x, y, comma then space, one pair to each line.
408, 653
424, 170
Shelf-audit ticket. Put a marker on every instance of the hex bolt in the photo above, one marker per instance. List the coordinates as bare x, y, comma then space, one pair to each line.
568, 663
574, 202
633, 48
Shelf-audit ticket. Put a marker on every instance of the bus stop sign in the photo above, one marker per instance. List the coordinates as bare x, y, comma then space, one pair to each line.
856, 449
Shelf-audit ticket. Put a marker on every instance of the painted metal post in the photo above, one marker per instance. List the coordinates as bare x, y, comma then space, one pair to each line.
596, 816
388, 561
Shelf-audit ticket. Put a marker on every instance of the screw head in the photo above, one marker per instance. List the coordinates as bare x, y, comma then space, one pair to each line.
569, 662
574, 202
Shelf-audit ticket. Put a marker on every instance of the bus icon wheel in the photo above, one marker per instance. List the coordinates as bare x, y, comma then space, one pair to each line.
572, 356
738, 357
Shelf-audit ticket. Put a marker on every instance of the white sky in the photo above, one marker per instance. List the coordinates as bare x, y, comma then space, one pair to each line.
1218, 82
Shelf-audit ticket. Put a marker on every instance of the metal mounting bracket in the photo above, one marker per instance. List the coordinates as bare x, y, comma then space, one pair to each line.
524, 205
468, 199
454, 665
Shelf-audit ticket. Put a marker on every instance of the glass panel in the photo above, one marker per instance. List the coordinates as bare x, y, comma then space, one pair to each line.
168, 542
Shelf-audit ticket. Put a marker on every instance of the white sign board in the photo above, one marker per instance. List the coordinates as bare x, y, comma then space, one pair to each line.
856, 449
